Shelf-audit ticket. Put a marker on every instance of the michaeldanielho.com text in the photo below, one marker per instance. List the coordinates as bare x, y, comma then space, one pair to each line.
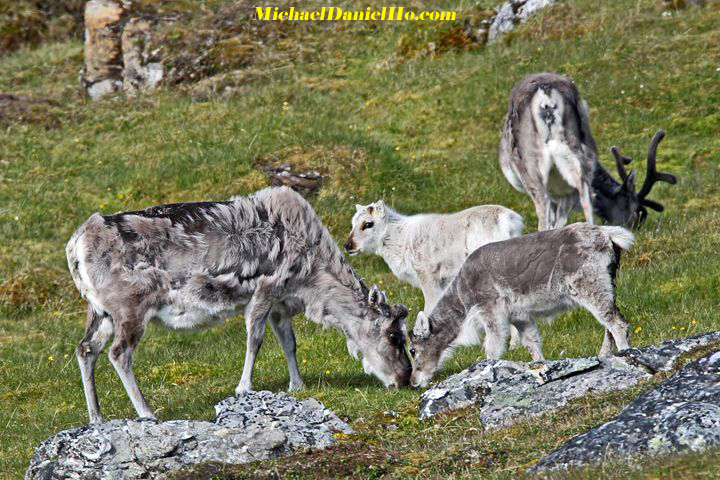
337, 13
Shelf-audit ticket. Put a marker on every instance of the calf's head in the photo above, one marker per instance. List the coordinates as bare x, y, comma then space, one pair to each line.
427, 351
381, 340
368, 228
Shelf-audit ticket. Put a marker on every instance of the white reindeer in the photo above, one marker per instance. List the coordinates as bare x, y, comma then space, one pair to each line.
428, 250
516, 282
191, 265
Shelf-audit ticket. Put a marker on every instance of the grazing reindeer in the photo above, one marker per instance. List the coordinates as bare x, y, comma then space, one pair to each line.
428, 250
548, 152
619, 203
546, 149
191, 265
517, 281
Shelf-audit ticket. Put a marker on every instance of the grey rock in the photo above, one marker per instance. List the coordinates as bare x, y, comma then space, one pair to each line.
679, 415
507, 391
514, 12
255, 426
661, 358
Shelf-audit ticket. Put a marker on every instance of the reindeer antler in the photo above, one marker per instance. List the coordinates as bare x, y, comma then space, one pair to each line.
653, 176
620, 163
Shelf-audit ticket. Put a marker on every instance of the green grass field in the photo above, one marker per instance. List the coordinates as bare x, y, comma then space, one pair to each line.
419, 131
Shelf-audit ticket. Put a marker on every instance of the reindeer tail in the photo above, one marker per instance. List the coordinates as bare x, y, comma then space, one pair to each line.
620, 237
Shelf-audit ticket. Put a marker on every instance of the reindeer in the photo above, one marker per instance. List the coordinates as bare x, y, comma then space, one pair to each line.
517, 281
618, 203
191, 265
428, 250
548, 152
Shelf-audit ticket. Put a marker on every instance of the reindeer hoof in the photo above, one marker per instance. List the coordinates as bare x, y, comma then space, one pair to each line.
294, 387
242, 390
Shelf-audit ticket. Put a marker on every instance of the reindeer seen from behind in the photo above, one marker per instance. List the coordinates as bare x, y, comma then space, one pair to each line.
548, 152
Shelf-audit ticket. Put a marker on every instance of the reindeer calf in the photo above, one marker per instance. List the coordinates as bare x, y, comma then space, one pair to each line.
517, 281
428, 250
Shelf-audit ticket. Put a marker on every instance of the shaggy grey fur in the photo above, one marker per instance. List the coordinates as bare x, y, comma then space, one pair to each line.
546, 149
518, 281
191, 265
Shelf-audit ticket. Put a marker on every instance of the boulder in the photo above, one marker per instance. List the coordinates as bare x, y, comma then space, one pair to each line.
104, 21
681, 414
254, 426
514, 12
117, 50
507, 391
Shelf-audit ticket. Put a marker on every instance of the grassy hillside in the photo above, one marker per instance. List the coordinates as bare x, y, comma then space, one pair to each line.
371, 108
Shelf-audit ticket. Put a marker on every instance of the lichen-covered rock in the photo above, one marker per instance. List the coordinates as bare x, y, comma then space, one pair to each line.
509, 391
255, 426
681, 414
141, 69
514, 12
661, 358
104, 21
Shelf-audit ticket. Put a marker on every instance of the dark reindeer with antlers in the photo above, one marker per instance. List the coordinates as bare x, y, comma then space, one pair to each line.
548, 152
619, 203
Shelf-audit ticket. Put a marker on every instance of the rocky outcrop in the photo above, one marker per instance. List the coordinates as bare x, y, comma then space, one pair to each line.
679, 415
506, 391
104, 21
514, 12
255, 426
117, 55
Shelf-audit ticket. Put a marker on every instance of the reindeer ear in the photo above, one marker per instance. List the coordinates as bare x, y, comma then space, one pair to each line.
380, 208
422, 326
399, 312
359, 207
629, 182
376, 298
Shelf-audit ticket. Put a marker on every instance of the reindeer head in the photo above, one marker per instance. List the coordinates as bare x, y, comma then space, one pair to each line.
368, 227
620, 204
382, 341
428, 350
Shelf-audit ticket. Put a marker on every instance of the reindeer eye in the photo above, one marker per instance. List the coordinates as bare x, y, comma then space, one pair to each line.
367, 225
412, 352
394, 338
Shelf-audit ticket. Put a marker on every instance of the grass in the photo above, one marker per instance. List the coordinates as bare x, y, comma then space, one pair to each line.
420, 132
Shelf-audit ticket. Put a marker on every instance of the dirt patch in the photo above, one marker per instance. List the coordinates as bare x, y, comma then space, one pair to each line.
352, 460
306, 169
29, 290
19, 109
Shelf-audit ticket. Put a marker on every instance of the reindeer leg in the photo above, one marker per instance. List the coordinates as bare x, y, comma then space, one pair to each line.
496, 329
530, 338
98, 330
608, 345
281, 323
256, 314
585, 202
514, 337
129, 329
609, 316
542, 208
